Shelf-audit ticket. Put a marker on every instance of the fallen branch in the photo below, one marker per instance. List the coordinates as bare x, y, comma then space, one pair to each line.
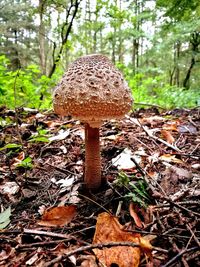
98, 246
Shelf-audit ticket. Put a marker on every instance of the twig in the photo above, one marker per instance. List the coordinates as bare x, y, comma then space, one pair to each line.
146, 130
193, 235
96, 203
56, 168
191, 212
180, 254
97, 246
38, 232
39, 244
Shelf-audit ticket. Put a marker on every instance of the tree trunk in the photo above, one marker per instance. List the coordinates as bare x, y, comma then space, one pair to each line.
65, 32
186, 82
135, 42
195, 42
42, 37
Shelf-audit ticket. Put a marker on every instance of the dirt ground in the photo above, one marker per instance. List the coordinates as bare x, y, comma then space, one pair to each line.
151, 162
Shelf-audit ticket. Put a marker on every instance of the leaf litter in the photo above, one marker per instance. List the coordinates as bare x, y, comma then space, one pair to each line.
151, 163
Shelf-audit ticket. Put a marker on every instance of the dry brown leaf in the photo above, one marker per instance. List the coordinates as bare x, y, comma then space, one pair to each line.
170, 158
168, 136
17, 160
171, 126
52, 124
108, 229
134, 215
58, 216
88, 261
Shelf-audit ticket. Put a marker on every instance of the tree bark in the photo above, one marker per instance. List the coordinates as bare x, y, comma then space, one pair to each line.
42, 37
195, 42
92, 158
65, 32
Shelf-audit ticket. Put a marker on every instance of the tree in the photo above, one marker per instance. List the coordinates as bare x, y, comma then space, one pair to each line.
184, 19
66, 27
18, 32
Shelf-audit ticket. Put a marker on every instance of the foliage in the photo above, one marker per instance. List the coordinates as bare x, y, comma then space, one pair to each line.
41, 136
153, 90
10, 146
25, 164
157, 49
137, 191
28, 85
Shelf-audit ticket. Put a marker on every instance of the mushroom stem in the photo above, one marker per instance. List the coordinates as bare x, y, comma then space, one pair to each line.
92, 158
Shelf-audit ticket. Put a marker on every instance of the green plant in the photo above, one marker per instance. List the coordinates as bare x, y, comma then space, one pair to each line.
26, 163
32, 89
41, 136
154, 91
137, 191
122, 179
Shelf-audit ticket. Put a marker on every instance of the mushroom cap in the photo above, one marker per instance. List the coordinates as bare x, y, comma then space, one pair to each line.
92, 90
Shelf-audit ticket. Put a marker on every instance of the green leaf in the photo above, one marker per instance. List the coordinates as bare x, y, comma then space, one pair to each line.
39, 139
26, 163
5, 218
10, 146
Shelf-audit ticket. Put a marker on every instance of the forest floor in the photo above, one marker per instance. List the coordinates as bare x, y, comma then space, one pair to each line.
151, 161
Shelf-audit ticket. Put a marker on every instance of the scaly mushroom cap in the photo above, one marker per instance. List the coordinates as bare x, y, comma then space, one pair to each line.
92, 90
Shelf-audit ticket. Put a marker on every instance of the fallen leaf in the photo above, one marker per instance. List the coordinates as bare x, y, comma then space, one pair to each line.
182, 173
170, 158
151, 120
65, 182
171, 126
39, 115
196, 166
10, 188
108, 229
80, 133
64, 149
187, 128
5, 218
111, 137
134, 215
168, 136
88, 261
58, 216
18, 159
52, 124
123, 160
61, 135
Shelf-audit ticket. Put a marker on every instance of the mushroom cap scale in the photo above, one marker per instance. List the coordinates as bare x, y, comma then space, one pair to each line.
92, 90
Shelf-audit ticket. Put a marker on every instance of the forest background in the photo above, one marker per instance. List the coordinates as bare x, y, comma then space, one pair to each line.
154, 43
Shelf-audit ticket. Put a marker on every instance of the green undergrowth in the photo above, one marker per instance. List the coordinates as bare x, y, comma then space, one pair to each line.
27, 87
153, 89
136, 190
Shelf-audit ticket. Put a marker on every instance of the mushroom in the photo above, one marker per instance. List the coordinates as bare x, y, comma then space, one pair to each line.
92, 90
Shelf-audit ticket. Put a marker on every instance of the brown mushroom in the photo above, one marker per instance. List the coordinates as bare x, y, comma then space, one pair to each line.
92, 90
